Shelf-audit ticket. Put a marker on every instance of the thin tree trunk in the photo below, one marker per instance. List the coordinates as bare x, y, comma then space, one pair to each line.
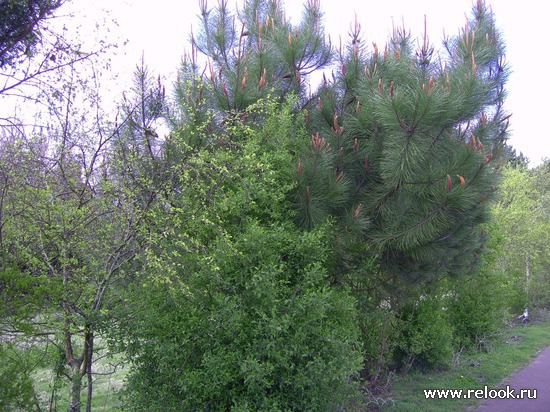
89, 347
76, 387
74, 375
527, 286
75, 363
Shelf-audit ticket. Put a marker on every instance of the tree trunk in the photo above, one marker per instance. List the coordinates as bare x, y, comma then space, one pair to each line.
527, 286
79, 367
75, 388
89, 350
74, 364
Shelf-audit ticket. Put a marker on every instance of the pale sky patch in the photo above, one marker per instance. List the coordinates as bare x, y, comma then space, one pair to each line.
159, 31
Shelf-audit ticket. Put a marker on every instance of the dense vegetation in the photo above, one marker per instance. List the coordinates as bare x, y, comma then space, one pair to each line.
275, 250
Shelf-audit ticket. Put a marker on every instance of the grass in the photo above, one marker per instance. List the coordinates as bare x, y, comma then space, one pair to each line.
105, 397
509, 351
106, 385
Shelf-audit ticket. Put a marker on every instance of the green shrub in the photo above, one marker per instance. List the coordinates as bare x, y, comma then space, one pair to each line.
477, 304
475, 309
16, 386
426, 336
379, 329
235, 311
254, 329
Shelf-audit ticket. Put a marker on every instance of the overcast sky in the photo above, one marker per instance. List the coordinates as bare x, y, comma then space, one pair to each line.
160, 31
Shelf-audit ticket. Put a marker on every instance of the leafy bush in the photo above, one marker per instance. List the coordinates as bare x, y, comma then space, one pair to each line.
425, 340
379, 329
234, 309
255, 328
16, 384
475, 309
477, 304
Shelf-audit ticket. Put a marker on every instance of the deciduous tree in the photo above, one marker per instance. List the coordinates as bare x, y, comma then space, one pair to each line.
521, 215
72, 215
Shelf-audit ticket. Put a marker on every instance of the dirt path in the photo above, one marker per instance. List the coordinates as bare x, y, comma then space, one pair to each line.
534, 376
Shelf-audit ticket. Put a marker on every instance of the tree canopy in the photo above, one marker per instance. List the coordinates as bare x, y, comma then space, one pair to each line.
20, 27
404, 149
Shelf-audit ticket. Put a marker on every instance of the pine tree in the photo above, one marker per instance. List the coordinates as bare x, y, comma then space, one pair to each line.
405, 149
139, 150
240, 57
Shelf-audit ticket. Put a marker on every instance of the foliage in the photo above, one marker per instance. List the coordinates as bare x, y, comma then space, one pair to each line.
379, 328
403, 158
522, 217
425, 339
403, 151
255, 328
507, 352
456, 314
20, 30
16, 385
276, 249
477, 305
475, 311
70, 228
251, 53
236, 312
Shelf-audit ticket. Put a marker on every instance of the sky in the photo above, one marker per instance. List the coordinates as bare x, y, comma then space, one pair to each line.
159, 31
